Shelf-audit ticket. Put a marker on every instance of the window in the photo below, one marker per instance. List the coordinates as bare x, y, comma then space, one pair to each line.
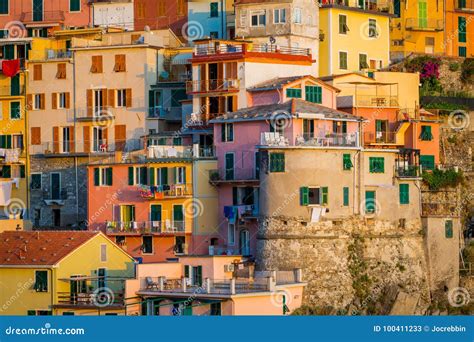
293, 93
74, 5
103, 252
63, 101
4, 5
343, 60
97, 66
61, 73
462, 29
121, 98
427, 162
297, 15
36, 181
214, 34
231, 234
404, 193
462, 3
462, 51
141, 175
15, 110
426, 134
178, 217
448, 229
363, 61
37, 72
181, 175
376, 165
313, 195
103, 176
422, 14
373, 28
370, 202
229, 166
120, 63
147, 245
343, 28
258, 18
346, 161
5, 141
314, 94
120, 240
216, 309
6, 171
227, 133
214, 9
41, 281
345, 196
277, 162
38, 101
279, 16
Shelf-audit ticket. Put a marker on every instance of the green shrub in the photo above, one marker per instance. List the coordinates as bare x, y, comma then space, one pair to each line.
438, 179
467, 70
453, 66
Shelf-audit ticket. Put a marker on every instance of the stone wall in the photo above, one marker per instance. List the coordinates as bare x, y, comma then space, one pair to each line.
350, 262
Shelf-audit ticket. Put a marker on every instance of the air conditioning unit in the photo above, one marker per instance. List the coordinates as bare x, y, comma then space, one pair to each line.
229, 268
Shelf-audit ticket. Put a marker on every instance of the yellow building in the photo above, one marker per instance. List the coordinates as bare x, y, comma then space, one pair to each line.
13, 134
62, 273
417, 27
354, 36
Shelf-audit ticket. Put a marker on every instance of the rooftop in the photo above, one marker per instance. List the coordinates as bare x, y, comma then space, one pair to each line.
280, 82
21, 248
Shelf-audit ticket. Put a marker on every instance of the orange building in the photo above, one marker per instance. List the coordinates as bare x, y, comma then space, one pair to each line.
459, 29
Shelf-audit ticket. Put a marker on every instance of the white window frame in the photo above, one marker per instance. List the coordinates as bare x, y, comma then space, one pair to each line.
225, 127
181, 175
259, 15
231, 234
98, 107
277, 14
61, 101
121, 98
103, 176
297, 16
37, 102
320, 200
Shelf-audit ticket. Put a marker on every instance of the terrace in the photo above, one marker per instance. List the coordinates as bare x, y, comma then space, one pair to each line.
44, 17
367, 5
147, 227
321, 139
424, 24
68, 148
207, 86
370, 95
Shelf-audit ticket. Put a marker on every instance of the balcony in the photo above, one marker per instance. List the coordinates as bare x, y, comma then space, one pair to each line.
90, 300
42, 17
160, 112
380, 138
377, 101
208, 86
233, 176
322, 139
73, 148
373, 6
424, 24
464, 5
52, 54
165, 191
146, 227
99, 115
6, 91
215, 47
408, 171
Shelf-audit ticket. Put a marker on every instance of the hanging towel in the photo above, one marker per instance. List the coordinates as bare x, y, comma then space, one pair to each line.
5, 192
11, 67
315, 214
228, 211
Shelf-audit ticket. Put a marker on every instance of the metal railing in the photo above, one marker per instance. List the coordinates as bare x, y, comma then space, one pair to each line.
90, 298
376, 101
88, 147
165, 191
408, 171
37, 16
321, 139
59, 196
424, 24
57, 54
145, 227
380, 137
205, 50
230, 84
232, 175
161, 112
379, 6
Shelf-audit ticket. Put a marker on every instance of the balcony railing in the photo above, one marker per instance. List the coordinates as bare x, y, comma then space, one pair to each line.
90, 299
57, 54
162, 112
90, 147
464, 5
424, 24
8, 91
45, 16
230, 84
311, 140
379, 101
233, 175
60, 195
379, 6
206, 50
146, 227
408, 171
165, 191
379, 138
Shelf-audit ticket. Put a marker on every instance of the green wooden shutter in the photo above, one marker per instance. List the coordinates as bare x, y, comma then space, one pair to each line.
223, 133
422, 14
4, 9
15, 110
109, 174
9, 52
304, 195
15, 85
164, 176
370, 201
426, 134
404, 193
427, 162
346, 161
9, 141
229, 166
235, 197
22, 171
31, 312
199, 275
6, 171
155, 212
462, 29
345, 193
96, 176
178, 213
448, 229
293, 93
130, 176
277, 162
313, 94
186, 271
151, 177
324, 195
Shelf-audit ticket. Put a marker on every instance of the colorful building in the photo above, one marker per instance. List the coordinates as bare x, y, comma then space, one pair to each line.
459, 28
212, 19
154, 204
14, 165
417, 27
47, 274
354, 36
213, 286
160, 14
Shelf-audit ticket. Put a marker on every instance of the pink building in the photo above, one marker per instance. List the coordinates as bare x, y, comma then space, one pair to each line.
42, 16
279, 117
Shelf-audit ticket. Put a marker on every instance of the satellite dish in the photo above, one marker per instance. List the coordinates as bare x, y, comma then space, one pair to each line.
272, 40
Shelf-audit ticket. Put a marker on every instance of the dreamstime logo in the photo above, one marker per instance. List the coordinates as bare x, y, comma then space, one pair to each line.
14, 207
369, 31
280, 120
103, 118
102, 297
458, 297
15, 29
192, 30
281, 298
459, 120
370, 207
193, 208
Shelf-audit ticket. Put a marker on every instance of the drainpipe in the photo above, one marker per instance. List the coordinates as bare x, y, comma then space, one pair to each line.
75, 133
26, 147
224, 31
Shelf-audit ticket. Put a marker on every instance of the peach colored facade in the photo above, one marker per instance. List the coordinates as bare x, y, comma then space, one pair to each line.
459, 28
159, 14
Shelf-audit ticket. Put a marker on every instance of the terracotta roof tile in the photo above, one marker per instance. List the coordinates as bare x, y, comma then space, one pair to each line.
21, 248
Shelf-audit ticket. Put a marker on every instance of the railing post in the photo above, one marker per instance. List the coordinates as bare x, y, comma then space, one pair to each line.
299, 275
162, 283
232, 286
271, 282
183, 283
208, 285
